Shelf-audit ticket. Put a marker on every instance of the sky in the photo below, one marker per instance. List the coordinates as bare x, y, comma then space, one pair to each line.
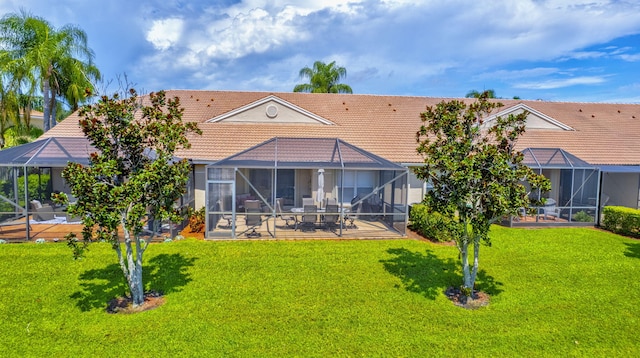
553, 50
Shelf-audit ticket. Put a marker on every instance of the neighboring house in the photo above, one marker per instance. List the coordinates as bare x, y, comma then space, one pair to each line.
590, 151
37, 119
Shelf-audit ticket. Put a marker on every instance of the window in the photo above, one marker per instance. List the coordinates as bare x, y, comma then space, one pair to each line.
356, 183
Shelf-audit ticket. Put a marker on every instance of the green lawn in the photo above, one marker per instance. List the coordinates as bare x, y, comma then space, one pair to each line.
555, 292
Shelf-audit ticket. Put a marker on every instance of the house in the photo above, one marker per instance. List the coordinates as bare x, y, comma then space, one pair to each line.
589, 151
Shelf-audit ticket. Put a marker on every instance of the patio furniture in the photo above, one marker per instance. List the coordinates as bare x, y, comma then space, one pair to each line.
330, 218
283, 216
72, 218
307, 201
221, 208
41, 212
252, 204
550, 210
352, 215
309, 218
253, 219
330, 201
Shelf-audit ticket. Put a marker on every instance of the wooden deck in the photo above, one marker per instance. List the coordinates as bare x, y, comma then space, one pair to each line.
17, 232
361, 229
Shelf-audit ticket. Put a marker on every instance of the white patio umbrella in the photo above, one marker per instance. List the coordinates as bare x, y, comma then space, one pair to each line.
320, 192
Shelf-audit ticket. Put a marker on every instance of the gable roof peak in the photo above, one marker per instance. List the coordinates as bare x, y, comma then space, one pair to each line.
535, 119
267, 110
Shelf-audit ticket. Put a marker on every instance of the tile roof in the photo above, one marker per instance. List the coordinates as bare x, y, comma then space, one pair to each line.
386, 125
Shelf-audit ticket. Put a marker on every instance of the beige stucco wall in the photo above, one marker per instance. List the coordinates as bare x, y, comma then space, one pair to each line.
283, 114
416, 189
304, 183
58, 183
200, 179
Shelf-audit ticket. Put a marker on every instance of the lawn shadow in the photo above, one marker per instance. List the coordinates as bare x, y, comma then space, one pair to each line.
423, 273
429, 275
488, 284
164, 273
633, 250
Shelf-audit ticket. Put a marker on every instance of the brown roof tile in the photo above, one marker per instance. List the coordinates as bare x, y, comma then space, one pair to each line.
386, 125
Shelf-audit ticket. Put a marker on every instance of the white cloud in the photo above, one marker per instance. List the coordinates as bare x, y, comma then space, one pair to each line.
506, 75
387, 46
254, 32
630, 58
165, 33
560, 83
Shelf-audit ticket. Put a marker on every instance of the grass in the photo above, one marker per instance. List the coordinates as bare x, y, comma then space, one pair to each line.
554, 292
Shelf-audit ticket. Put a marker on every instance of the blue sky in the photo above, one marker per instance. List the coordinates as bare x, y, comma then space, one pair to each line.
557, 50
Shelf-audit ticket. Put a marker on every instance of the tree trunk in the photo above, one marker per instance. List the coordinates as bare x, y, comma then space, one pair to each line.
464, 252
134, 278
46, 109
54, 110
476, 259
132, 268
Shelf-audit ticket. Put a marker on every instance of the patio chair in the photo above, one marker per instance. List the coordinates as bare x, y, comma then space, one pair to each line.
41, 212
283, 216
72, 218
253, 219
353, 214
330, 218
307, 201
309, 218
221, 208
330, 201
550, 210
44, 213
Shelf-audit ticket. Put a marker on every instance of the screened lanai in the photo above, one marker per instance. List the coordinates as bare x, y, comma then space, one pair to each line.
305, 187
42, 161
25, 213
573, 199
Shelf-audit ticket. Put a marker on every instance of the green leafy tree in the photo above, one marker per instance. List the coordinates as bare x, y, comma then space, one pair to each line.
132, 175
323, 78
476, 94
55, 62
477, 175
9, 109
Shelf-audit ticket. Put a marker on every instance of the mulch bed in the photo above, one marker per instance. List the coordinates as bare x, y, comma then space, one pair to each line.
152, 300
456, 296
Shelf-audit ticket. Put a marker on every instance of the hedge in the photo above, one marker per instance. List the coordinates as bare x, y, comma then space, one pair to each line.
622, 220
431, 224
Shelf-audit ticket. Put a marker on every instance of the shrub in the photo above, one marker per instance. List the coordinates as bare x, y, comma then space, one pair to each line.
583, 217
431, 224
622, 220
196, 220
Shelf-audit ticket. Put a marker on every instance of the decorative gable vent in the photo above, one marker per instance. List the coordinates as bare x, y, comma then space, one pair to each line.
535, 119
271, 109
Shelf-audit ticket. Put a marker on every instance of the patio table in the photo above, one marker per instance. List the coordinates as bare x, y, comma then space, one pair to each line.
299, 211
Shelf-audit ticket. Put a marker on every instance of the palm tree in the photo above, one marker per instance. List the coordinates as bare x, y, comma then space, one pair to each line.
58, 61
323, 78
9, 109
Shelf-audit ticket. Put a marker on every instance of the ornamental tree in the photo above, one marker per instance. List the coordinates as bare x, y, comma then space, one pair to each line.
132, 175
477, 175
